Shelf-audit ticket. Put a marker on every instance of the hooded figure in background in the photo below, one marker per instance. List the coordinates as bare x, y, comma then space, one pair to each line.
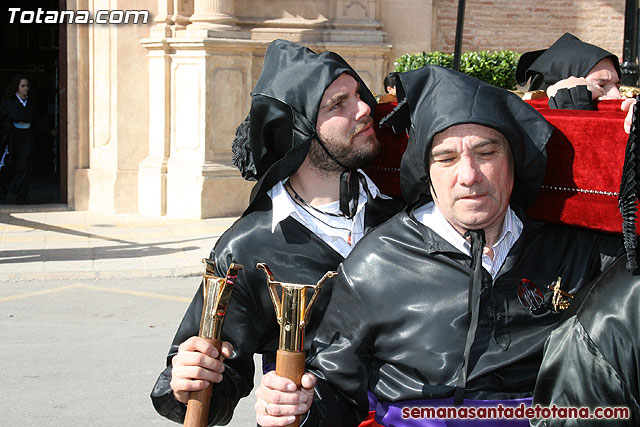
447, 303
573, 73
308, 131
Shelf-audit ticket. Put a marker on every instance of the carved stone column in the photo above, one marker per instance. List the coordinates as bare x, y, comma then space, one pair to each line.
199, 93
213, 18
78, 117
172, 16
117, 121
210, 86
152, 177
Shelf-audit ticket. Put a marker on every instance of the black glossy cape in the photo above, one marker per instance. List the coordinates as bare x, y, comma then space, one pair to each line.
295, 255
591, 360
398, 317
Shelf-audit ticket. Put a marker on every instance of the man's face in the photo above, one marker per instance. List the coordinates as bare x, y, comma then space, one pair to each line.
604, 75
23, 88
345, 126
471, 172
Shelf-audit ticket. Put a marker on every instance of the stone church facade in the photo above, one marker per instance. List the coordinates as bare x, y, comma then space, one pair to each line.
152, 108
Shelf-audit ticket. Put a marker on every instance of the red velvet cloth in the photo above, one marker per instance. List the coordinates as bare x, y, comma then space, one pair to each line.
584, 168
585, 160
607, 105
539, 103
385, 169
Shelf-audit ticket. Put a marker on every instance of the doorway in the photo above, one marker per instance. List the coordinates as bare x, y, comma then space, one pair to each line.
34, 50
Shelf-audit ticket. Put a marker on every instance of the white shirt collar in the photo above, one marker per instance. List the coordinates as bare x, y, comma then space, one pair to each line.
430, 216
339, 233
22, 101
284, 206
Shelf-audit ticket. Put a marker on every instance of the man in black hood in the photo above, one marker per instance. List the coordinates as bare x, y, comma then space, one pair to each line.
450, 302
572, 72
308, 131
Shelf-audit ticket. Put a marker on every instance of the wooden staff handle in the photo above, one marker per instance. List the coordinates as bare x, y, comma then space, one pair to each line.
290, 364
198, 404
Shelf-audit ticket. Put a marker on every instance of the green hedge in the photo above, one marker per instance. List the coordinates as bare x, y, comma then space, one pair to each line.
497, 68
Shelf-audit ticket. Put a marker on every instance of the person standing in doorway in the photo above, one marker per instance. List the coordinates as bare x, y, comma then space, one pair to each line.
17, 138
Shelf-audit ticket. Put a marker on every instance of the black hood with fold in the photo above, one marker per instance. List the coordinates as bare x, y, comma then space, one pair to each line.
432, 99
274, 139
568, 56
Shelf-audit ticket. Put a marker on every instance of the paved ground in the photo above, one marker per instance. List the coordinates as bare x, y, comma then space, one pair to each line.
62, 244
88, 306
87, 352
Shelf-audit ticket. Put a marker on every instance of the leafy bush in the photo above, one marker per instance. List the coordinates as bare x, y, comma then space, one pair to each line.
497, 68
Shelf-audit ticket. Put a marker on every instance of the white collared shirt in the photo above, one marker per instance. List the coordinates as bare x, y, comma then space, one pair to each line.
430, 216
332, 230
22, 101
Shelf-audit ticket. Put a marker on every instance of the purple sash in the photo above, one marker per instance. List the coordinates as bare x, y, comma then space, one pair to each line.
399, 413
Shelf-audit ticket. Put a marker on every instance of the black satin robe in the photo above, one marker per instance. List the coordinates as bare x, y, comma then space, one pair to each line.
591, 360
398, 317
294, 254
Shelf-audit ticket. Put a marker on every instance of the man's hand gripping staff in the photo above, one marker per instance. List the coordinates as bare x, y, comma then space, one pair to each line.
217, 292
292, 313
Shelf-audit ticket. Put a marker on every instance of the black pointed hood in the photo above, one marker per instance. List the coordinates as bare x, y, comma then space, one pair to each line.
274, 139
568, 56
432, 99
